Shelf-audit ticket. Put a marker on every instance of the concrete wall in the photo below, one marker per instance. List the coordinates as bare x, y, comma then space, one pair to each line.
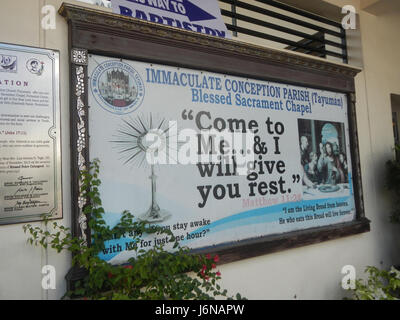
312, 272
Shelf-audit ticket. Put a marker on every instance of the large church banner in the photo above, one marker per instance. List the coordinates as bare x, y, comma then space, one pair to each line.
216, 158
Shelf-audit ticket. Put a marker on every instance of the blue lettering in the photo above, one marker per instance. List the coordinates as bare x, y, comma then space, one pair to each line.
205, 83
220, 34
210, 31
218, 85
187, 26
198, 27
169, 21
195, 95
125, 11
141, 15
176, 80
166, 79
183, 82
155, 18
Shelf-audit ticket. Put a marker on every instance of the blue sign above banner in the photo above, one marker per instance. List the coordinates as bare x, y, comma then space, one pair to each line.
186, 8
193, 15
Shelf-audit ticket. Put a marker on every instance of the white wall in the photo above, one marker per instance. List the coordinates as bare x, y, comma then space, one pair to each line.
312, 272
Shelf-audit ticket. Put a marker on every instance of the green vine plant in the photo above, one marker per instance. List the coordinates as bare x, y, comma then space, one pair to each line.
380, 285
154, 273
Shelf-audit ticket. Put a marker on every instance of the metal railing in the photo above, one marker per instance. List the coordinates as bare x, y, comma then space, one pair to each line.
299, 30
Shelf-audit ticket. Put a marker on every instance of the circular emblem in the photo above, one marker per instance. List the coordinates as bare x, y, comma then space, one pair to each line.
117, 87
35, 66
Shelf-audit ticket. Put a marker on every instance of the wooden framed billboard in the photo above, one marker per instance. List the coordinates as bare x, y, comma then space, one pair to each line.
237, 149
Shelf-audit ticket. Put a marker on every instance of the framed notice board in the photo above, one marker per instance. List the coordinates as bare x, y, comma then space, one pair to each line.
30, 145
237, 149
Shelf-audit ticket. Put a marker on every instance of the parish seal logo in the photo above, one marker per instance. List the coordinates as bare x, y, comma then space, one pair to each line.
8, 63
117, 87
35, 66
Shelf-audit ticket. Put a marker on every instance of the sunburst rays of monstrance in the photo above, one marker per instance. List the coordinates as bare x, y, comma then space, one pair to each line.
136, 143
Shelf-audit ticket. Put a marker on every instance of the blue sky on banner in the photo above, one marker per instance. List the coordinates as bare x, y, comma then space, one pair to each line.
202, 16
